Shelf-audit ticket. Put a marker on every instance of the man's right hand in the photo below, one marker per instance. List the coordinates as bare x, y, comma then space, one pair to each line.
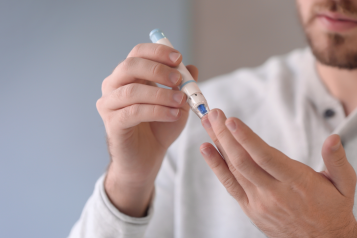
141, 121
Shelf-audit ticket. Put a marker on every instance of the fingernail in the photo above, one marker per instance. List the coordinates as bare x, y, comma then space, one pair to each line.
206, 151
205, 122
174, 56
174, 78
336, 147
231, 125
174, 112
213, 115
178, 97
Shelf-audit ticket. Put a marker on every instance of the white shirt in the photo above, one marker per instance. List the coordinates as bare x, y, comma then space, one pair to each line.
283, 101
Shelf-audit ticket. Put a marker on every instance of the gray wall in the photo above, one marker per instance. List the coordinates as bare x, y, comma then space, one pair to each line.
231, 34
53, 58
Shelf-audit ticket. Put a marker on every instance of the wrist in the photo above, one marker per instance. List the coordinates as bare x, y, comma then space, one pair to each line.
129, 198
349, 230
352, 230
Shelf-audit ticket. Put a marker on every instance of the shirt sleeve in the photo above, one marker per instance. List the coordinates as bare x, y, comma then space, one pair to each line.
163, 220
100, 219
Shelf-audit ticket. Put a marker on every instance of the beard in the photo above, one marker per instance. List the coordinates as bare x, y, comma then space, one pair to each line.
333, 49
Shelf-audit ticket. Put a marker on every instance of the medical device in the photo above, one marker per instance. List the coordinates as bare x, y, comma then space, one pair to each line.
195, 98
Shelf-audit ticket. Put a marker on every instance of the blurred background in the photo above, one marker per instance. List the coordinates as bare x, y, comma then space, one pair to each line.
53, 58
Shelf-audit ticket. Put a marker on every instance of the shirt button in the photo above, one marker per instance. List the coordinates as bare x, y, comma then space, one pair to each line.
329, 113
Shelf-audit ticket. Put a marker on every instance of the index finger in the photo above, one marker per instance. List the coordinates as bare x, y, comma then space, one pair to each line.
157, 52
268, 158
239, 158
208, 127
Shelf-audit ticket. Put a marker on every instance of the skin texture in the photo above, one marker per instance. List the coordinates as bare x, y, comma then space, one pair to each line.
142, 121
281, 196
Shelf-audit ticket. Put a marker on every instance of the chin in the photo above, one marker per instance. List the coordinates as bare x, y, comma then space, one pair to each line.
334, 50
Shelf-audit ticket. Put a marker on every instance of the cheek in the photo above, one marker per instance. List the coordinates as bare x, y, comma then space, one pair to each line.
305, 7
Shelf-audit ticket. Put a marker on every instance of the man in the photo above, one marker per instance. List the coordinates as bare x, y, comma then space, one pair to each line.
272, 175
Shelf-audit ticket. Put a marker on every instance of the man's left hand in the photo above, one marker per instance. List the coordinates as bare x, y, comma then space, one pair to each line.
283, 197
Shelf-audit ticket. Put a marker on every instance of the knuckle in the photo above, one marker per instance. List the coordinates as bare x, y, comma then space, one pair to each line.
157, 69
229, 183
234, 192
221, 133
133, 110
215, 140
127, 64
136, 50
265, 159
127, 91
215, 164
301, 186
128, 113
242, 164
123, 115
158, 94
231, 167
155, 110
244, 137
340, 160
159, 50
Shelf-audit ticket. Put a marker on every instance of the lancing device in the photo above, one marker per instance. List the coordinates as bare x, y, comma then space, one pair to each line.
195, 98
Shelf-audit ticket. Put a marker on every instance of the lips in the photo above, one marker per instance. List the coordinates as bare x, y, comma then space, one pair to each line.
335, 22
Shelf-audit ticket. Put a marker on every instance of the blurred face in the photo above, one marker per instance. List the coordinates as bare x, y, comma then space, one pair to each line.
331, 29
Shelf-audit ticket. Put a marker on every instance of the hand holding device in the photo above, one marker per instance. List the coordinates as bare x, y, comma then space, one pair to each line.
195, 98
141, 122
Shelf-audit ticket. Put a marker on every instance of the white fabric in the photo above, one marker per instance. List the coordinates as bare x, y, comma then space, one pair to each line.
283, 101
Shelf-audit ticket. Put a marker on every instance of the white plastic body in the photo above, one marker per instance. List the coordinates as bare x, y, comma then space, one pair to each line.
191, 89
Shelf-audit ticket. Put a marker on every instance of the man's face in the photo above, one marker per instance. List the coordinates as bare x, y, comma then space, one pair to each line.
331, 29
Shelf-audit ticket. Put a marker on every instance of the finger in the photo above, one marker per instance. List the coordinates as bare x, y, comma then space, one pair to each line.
246, 184
219, 167
133, 70
239, 158
142, 94
339, 170
135, 114
193, 71
271, 160
157, 52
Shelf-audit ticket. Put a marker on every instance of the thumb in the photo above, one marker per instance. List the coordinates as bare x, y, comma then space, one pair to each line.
338, 169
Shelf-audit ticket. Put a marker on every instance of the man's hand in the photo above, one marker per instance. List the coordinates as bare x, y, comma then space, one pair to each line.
141, 121
283, 197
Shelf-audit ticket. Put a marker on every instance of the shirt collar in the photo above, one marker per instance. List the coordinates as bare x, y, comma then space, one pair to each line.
317, 93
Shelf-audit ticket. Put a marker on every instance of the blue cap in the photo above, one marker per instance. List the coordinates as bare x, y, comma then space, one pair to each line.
156, 35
